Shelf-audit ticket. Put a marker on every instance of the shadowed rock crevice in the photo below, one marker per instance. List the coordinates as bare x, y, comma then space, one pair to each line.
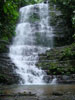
7, 74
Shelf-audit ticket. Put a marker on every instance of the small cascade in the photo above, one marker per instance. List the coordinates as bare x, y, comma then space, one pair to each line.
54, 81
33, 36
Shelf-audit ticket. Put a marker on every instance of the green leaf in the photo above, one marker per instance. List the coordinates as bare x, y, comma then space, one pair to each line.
5, 9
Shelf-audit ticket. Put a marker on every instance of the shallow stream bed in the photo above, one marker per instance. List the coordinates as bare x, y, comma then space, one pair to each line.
42, 92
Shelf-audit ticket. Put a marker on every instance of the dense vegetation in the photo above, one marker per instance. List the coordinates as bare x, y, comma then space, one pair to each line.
67, 7
58, 61
8, 18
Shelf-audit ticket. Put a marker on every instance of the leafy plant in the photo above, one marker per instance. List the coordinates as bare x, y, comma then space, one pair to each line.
67, 8
67, 52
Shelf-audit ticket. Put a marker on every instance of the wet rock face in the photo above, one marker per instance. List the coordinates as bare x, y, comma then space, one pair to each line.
7, 75
47, 78
4, 46
59, 61
45, 1
62, 79
66, 79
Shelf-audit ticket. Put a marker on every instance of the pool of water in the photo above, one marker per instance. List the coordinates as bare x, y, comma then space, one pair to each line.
39, 90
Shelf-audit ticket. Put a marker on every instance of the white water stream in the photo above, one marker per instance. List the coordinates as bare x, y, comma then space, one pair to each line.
33, 36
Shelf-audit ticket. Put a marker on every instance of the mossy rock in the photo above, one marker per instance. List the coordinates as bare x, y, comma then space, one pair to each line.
58, 60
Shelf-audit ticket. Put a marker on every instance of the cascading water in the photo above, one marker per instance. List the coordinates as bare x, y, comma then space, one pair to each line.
33, 36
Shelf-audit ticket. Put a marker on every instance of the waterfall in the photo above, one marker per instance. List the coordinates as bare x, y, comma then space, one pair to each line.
33, 36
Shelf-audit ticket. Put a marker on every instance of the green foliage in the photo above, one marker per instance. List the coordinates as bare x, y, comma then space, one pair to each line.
58, 61
5, 38
67, 52
39, 1
74, 36
10, 9
28, 2
67, 8
9, 15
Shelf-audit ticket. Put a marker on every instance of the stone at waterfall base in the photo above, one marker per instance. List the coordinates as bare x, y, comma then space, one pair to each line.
56, 95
